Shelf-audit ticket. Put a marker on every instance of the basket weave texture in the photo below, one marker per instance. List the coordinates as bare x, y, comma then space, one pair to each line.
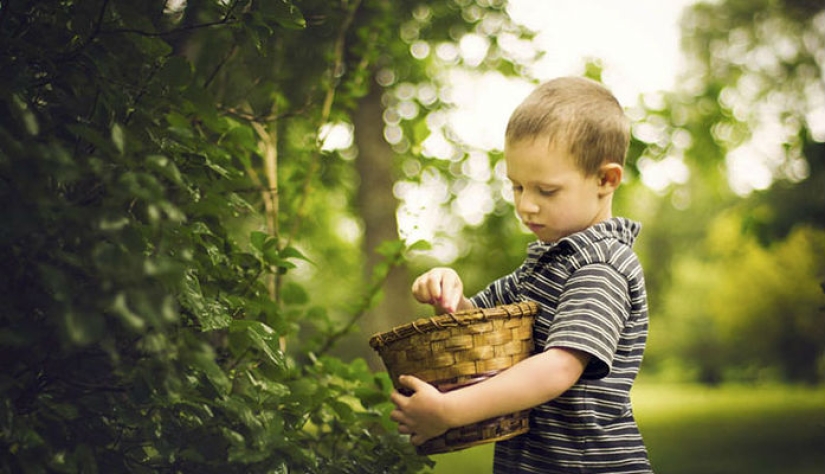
458, 349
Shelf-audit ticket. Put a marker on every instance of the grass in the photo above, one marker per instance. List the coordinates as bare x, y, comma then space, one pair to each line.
727, 430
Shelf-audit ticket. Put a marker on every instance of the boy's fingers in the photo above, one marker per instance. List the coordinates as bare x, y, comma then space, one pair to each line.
440, 287
398, 417
450, 307
424, 290
452, 290
434, 289
451, 297
422, 293
411, 382
396, 398
417, 439
404, 429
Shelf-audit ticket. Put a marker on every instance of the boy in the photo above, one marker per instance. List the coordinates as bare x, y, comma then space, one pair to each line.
565, 149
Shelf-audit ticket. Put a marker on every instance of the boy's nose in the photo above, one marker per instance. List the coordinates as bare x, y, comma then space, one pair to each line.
527, 205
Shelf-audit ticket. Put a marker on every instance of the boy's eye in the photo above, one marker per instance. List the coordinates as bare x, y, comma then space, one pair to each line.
517, 188
547, 192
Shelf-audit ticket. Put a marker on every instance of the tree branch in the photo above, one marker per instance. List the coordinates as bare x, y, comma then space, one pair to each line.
221, 64
379, 278
315, 159
226, 20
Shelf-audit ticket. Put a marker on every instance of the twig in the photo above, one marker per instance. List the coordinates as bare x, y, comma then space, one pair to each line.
98, 29
367, 301
221, 64
315, 159
161, 34
227, 19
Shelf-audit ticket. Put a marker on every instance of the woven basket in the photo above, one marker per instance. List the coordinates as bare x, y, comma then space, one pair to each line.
458, 349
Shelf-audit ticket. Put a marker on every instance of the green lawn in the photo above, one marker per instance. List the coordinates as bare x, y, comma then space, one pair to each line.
699, 430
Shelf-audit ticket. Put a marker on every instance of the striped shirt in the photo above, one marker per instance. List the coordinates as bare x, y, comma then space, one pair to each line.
592, 294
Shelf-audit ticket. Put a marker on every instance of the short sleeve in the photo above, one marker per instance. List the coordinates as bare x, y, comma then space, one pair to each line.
592, 311
500, 292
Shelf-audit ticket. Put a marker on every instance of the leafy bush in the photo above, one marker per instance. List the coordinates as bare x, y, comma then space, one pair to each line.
145, 319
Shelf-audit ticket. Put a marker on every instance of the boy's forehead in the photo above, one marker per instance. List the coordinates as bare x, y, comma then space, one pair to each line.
539, 142
536, 148
536, 161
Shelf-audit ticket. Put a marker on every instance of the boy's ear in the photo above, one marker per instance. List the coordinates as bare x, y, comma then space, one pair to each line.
610, 177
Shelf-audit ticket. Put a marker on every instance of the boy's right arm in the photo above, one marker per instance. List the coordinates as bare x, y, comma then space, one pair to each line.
531, 382
442, 288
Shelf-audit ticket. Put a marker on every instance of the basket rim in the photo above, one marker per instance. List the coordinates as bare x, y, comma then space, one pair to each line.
449, 320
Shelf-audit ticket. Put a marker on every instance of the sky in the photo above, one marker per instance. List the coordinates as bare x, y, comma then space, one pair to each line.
636, 40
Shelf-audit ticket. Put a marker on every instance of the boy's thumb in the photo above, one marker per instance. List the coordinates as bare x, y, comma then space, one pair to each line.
411, 382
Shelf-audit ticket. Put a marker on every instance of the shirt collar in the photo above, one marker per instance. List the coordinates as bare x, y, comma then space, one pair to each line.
619, 228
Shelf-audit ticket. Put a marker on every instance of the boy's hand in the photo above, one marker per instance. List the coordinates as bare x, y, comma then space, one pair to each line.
442, 288
420, 415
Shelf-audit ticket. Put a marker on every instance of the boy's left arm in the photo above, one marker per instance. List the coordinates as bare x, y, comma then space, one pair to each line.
533, 381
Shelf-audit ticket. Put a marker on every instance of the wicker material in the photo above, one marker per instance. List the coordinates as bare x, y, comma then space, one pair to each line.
455, 350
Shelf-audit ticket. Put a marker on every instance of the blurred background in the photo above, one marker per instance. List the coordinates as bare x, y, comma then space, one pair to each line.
726, 172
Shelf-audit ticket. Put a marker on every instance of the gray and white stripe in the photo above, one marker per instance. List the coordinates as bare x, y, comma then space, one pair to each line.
591, 289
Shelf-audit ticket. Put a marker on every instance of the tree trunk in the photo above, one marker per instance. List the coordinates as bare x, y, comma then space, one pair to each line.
377, 206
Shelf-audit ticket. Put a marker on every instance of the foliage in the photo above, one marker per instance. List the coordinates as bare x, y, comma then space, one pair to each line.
159, 164
760, 313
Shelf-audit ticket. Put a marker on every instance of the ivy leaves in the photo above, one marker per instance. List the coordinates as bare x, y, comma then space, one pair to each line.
140, 331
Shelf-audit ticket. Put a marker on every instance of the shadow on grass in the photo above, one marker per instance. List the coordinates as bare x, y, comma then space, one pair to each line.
698, 430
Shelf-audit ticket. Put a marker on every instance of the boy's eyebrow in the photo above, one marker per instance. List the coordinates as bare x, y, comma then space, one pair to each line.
537, 183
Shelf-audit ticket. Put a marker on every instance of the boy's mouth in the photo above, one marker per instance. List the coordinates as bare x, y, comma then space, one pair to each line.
533, 226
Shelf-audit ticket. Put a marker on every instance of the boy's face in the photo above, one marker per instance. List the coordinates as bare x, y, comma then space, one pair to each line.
552, 196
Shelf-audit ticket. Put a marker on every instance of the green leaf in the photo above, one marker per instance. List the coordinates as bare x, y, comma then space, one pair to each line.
204, 361
342, 409
420, 245
292, 252
286, 14
129, 318
257, 239
293, 293
165, 167
271, 387
211, 314
261, 337
118, 138
29, 119
83, 329
303, 389
91, 136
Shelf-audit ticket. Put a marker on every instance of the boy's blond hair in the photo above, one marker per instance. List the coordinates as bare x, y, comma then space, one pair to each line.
578, 113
